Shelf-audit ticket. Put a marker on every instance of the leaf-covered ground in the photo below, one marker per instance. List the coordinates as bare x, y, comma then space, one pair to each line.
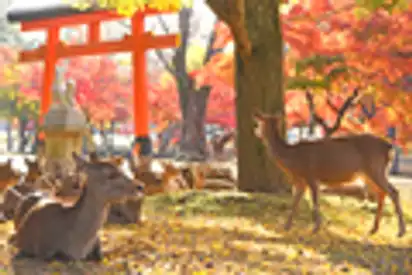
237, 233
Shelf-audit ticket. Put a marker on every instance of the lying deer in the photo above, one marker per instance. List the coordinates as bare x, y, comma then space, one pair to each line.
168, 180
53, 230
68, 190
127, 212
209, 178
37, 184
332, 161
116, 160
8, 177
14, 194
219, 143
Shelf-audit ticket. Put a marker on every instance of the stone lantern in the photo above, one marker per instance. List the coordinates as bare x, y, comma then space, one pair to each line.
64, 128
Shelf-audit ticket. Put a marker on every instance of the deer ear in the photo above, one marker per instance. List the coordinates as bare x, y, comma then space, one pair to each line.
169, 168
80, 163
117, 161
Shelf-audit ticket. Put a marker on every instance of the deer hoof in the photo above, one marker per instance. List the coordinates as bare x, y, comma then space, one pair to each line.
401, 233
373, 231
287, 226
316, 229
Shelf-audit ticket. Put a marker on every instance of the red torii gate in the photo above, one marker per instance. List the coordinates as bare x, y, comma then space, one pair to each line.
53, 18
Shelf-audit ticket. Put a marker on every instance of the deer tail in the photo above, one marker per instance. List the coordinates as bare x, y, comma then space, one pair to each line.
389, 155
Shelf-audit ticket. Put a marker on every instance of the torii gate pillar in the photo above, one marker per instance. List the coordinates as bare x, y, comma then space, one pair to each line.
137, 43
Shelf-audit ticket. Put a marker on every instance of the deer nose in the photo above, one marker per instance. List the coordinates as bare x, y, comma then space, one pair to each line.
140, 187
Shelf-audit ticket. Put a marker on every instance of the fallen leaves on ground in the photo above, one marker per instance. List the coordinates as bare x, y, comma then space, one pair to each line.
237, 233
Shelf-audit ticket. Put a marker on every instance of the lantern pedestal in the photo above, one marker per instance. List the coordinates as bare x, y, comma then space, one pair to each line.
64, 127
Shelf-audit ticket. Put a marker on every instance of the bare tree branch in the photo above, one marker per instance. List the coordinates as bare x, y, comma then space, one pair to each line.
179, 58
163, 24
161, 56
329, 130
232, 12
209, 48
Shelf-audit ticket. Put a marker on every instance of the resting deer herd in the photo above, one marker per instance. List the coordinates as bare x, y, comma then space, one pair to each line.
44, 206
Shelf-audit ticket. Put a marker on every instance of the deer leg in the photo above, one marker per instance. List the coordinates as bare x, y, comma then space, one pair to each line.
314, 190
394, 195
299, 191
96, 255
385, 186
378, 215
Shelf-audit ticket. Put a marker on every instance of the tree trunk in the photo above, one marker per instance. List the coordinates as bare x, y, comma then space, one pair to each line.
103, 135
23, 137
193, 136
166, 137
259, 84
10, 135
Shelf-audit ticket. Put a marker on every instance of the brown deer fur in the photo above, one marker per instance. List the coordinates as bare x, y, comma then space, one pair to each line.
170, 180
70, 189
19, 198
8, 177
127, 212
15, 194
211, 178
332, 161
218, 143
52, 230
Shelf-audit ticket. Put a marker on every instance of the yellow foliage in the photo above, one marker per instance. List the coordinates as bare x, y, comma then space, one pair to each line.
195, 56
128, 7
241, 237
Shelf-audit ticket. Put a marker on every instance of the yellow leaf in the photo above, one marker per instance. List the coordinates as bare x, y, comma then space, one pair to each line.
217, 246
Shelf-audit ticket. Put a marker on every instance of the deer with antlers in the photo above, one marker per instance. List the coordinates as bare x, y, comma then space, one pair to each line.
331, 161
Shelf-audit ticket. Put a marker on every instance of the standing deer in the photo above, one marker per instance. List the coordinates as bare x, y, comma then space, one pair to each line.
332, 161
53, 230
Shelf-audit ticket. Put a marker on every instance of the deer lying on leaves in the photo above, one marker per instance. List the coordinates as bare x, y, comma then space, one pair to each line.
51, 230
8, 177
332, 161
15, 193
219, 143
18, 199
126, 212
157, 182
68, 191
209, 178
